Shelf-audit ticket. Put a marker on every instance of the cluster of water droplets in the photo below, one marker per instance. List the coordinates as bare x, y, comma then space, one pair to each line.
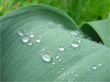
28, 37
76, 38
96, 66
69, 76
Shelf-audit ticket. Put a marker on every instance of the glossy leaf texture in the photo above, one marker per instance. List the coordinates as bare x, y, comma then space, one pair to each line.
52, 27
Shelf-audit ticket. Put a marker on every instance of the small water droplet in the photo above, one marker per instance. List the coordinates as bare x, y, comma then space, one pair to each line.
25, 38
46, 57
20, 33
60, 60
99, 64
57, 57
76, 75
53, 63
75, 33
38, 40
29, 43
61, 49
31, 35
93, 47
62, 68
75, 44
94, 68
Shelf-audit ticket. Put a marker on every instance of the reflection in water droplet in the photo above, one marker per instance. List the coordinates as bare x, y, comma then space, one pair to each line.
61, 49
25, 38
20, 33
38, 40
94, 68
46, 57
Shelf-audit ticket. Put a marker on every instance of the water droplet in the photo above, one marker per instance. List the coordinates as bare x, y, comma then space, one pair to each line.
46, 57
62, 68
60, 60
31, 35
99, 64
38, 40
25, 38
57, 57
61, 49
20, 33
75, 33
29, 43
94, 68
75, 44
93, 47
76, 75
53, 63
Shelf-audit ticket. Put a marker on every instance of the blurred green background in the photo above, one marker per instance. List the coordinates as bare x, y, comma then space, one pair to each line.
79, 10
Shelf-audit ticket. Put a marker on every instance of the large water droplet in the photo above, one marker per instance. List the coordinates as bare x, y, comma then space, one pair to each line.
61, 49
46, 57
25, 38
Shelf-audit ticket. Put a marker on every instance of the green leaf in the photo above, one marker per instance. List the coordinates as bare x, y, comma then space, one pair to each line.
99, 28
21, 62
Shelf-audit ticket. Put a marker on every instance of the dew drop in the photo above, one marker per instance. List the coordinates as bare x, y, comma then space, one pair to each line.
46, 58
99, 64
93, 47
75, 44
94, 68
75, 33
31, 35
61, 49
60, 60
20, 33
62, 68
53, 63
57, 57
25, 38
38, 40
29, 43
